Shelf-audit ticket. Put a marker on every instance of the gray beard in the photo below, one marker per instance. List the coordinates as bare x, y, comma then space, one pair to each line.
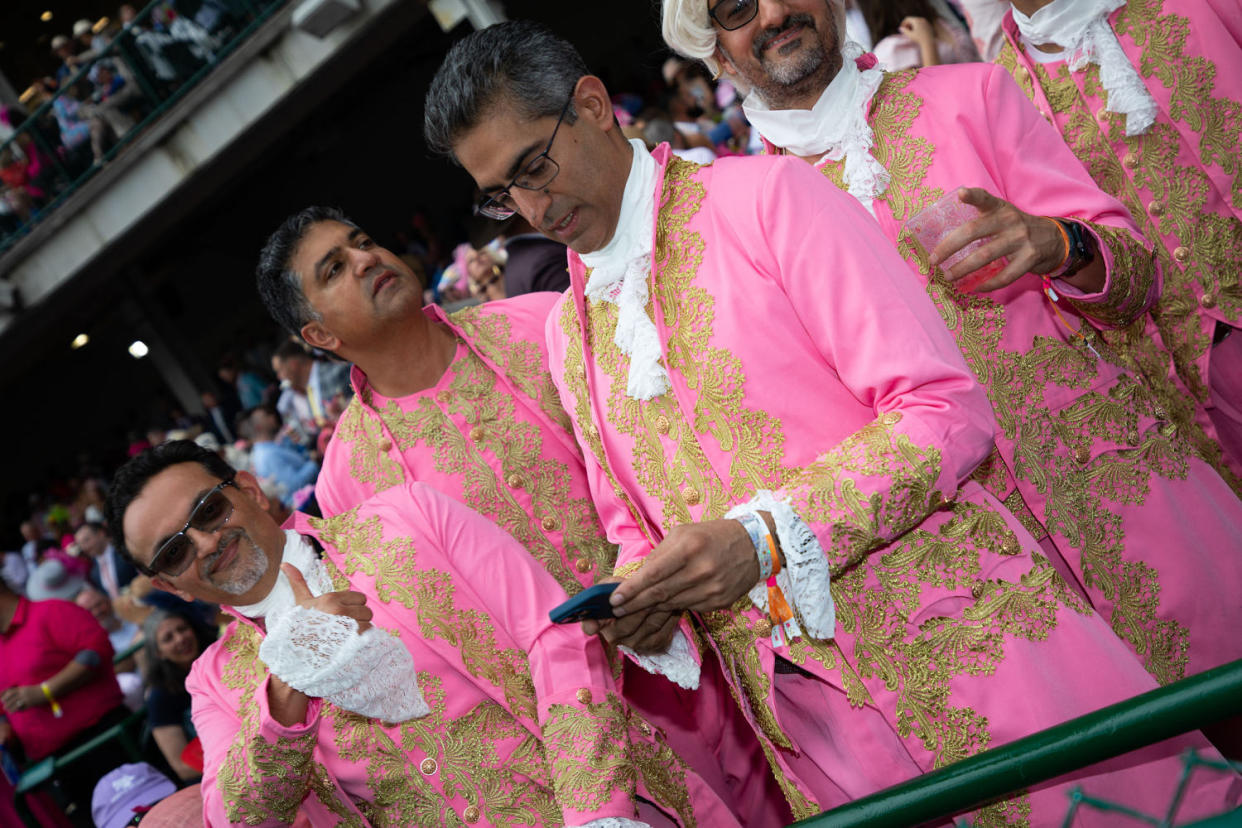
247, 571
780, 86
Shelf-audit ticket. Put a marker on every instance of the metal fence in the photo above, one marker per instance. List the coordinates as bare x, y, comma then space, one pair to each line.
128, 79
1143, 720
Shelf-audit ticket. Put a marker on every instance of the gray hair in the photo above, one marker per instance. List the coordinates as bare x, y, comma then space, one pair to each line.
520, 62
280, 287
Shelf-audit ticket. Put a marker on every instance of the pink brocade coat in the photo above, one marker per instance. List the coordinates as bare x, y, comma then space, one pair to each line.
1087, 451
526, 724
803, 358
1181, 180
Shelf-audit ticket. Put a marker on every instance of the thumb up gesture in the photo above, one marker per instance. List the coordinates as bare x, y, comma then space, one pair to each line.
346, 602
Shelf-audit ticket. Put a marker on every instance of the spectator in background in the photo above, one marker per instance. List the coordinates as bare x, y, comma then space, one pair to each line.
485, 270
221, 418
173, 641
31, 535
109, 570
247, 386
122, 635
535, 262
274, 460
62, 47
913, 33
661, 131
57, 689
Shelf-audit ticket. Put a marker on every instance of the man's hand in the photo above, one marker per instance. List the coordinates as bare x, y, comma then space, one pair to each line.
698, 566
23, 698
645, 631
1031, 243
346, 602
918, 29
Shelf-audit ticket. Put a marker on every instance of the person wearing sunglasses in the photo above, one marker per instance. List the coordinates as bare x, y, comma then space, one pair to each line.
1070, 269
782, 432
394, 665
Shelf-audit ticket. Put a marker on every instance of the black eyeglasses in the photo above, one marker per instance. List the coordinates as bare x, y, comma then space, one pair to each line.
536, 175
208, 515
733, 14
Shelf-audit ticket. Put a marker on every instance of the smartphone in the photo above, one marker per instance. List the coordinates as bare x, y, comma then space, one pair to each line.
590, 603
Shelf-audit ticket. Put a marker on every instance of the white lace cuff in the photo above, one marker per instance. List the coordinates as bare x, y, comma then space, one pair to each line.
612, 822
677, 664
805, 575
323, 656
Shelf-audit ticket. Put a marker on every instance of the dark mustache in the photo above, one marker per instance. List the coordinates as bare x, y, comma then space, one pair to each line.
772, 32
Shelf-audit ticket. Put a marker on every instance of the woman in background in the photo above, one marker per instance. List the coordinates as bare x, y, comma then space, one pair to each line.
173, 641
912, 33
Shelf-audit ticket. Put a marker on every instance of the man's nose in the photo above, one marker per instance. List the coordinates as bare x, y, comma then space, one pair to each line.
532, 204
772, 13
362, 261
204, 541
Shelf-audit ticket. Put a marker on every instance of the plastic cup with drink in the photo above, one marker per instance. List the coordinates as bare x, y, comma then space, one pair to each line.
930, 225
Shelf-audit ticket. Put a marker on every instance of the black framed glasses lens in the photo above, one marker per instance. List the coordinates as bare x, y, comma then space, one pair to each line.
734, 14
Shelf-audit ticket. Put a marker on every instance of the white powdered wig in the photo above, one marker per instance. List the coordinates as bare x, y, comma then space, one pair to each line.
688, 30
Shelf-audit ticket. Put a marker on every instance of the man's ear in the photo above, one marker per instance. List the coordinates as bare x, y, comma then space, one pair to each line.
726, 64
317, 336
591, 102
160, 583
249, 484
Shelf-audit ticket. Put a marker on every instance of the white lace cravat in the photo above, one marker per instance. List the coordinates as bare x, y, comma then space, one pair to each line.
836, 126
619, 273
323, 655
1081, 28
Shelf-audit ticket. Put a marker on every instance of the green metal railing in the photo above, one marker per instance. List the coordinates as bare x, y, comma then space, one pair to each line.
1137, 722
63, 171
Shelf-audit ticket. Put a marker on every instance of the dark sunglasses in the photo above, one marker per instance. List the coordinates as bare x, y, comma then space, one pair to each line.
208, 515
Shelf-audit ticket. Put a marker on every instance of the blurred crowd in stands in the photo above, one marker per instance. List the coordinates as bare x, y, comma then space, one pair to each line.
103, 80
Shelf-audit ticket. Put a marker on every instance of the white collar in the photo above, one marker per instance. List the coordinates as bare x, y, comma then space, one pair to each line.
1081, 28
619, 274
836, 126
299, 552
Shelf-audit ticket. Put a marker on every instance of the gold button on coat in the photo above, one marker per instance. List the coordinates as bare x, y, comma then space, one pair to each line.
477, 434
662, 424
1181, 254
584, 696
691, 495
550, 524
385, 446
471, 814
515, 481
1208, 300
428, 766
582, 565
1082, 454
1130, 160
1156, 208
1010, 545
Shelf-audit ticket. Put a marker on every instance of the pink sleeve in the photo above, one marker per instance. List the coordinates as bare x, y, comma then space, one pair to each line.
878, 330
249, 779
579, 709
1042, 176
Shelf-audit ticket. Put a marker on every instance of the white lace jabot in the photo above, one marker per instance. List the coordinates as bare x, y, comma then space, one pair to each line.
323, 655
1081, 28
619, 273
836, 126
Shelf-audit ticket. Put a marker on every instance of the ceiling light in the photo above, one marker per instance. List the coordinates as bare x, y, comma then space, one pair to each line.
138, 349
79, 340
46, 16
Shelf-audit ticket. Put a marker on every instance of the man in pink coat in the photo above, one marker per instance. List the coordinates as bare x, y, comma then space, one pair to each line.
779, 428
1149, 96
392, 665
464, 403
1088, 453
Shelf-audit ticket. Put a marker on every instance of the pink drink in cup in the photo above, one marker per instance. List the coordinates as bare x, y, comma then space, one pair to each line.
933, 223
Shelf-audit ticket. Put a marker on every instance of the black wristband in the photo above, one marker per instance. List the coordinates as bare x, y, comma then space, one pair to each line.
1081, 247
